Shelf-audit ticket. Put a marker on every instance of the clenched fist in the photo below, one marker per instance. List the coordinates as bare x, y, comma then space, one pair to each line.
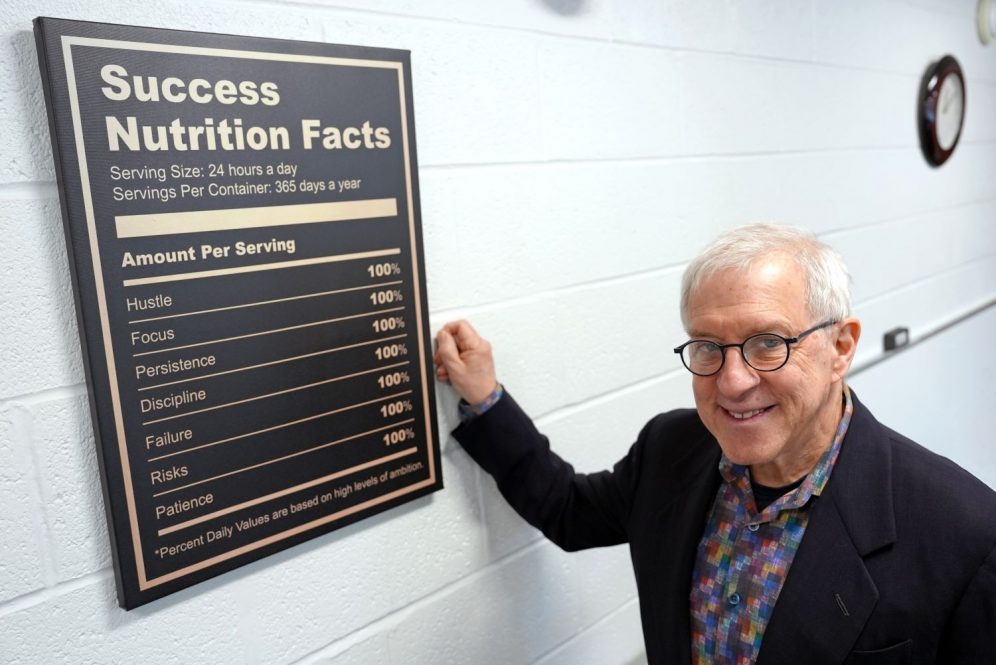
463, 359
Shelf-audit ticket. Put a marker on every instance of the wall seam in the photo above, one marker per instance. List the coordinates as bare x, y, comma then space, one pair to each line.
28, 189
552, 653
391, 619
46, 395
605, 41
908, 286
459, 311
38, 597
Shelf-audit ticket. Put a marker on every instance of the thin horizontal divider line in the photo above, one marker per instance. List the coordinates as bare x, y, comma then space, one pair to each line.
265, 302
290, 490
281, 425
464, 311
279, 265
274, 362
281, 458
233, 219
274, 394
268, 332
666, 158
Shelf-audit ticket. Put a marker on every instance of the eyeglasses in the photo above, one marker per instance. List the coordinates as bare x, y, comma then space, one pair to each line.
765, 352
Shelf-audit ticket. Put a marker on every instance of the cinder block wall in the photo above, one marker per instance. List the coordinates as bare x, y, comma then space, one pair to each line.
574, 155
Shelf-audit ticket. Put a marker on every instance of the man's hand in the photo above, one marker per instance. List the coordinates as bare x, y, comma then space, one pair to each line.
463, 359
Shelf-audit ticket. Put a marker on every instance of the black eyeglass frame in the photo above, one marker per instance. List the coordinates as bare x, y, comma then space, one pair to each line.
789, 341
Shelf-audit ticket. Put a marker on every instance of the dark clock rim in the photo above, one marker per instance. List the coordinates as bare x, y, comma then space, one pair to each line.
930, 88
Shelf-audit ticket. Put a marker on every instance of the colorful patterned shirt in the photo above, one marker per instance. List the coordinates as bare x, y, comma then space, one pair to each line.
470, 411
744, 557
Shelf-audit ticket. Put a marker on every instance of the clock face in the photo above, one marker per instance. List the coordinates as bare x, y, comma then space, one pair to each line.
950, 105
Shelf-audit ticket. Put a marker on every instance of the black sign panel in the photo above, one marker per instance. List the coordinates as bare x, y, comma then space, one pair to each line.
243, 225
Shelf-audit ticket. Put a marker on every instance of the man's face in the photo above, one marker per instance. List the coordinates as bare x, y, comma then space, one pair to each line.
777, 422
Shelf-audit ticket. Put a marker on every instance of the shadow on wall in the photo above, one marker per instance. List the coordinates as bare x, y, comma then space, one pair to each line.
565, 7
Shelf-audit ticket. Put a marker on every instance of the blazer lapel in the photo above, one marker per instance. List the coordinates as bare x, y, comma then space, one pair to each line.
828, 594
674, 552
827, 598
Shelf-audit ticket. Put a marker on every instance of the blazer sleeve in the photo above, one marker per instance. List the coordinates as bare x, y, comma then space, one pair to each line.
574, 510
970, 635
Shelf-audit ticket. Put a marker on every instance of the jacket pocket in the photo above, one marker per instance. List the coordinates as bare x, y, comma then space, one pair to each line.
897, 654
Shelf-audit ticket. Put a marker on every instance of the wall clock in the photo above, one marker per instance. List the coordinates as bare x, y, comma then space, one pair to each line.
941, 109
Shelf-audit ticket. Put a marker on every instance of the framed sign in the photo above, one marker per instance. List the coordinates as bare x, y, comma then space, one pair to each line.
242, 218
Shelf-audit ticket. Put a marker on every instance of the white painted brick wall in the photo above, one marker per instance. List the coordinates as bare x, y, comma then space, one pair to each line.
21, 566
66, 465
37, 314
575, 154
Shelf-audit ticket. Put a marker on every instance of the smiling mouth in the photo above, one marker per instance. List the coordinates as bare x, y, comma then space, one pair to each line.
746, 415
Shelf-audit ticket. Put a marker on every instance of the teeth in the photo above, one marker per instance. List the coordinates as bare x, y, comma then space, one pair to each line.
745, 414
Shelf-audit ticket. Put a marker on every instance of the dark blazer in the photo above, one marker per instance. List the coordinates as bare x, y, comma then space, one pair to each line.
898, 563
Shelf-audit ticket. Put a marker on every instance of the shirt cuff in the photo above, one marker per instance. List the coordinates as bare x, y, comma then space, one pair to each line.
470, 411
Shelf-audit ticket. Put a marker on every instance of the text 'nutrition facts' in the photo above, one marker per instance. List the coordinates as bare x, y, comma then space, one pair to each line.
243, 224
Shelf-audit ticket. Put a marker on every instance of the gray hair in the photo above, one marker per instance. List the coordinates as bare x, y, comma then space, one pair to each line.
828, 284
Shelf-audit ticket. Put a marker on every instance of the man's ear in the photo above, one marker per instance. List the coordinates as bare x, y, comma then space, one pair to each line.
845, 342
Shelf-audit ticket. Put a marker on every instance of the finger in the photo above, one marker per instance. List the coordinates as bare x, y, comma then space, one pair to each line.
448, 353
466, 337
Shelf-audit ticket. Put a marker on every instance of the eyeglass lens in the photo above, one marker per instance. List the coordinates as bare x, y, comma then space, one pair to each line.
762, 352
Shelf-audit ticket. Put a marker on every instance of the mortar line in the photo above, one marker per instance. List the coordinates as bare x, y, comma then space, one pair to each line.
660, 271
28, 189
333, 11
395, 616
46, 395
600, 621
909, 147
23, 421
907, 286
32, 599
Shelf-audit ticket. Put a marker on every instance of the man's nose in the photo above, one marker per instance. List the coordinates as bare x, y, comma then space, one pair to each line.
736, 376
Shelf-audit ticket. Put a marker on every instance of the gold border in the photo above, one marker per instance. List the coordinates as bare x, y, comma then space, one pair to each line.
68, 42
414, 255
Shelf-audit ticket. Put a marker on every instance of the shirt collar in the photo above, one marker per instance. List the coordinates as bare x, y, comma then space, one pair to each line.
739, 476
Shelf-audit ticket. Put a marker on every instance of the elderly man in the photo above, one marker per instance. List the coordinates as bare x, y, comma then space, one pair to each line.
778, 522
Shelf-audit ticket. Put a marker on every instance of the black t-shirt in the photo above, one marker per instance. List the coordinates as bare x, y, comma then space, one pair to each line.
764, 496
